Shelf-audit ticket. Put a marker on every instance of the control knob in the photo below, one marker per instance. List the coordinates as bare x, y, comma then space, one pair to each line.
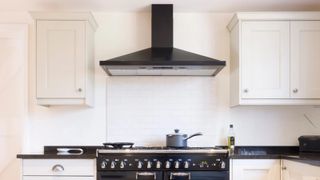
158, 165
112, 165
177, 164
149, 164
103, 164
122, 164
186, 164
223, 165
168, 164
139, 165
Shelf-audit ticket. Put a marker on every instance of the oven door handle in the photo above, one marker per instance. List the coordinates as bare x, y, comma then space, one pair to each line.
180, 174
146, 174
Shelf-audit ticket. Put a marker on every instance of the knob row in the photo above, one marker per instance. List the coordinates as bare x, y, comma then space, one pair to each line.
122, 165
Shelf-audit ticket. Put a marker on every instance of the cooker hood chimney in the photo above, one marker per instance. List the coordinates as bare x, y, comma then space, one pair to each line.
162, 59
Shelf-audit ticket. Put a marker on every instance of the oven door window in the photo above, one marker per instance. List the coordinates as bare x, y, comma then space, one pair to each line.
197, 175
129, 175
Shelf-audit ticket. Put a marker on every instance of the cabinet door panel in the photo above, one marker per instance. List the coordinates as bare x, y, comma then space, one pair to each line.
256, 170
305, 59
293, 170
265, 60
60, 59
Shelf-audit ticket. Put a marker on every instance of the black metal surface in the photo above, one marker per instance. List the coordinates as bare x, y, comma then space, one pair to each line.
129, 175
159, 175
162, 25
162, 52
130, 162
198, 175
163, 57
309, 144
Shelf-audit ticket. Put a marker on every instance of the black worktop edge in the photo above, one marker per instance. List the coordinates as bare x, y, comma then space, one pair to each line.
55, 156
50, 152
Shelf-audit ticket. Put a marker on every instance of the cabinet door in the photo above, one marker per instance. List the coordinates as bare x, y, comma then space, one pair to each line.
56, 178
256, 170
265, 60
292, 170
60, 59
305, 59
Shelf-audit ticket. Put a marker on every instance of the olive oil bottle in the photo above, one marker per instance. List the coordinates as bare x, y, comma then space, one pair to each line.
231, 139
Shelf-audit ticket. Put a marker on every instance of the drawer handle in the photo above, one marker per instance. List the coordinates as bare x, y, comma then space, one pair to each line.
144, 174
180, 174
57, 168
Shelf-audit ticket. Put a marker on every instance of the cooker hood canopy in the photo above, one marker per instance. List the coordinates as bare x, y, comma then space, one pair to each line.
162, 59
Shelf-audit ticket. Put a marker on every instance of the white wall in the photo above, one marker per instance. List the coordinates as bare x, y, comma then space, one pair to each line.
13, 94
144, 109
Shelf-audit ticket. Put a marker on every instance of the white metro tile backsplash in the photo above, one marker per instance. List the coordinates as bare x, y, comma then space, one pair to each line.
145, 109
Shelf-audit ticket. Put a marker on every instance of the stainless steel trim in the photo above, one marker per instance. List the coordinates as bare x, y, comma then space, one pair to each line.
163, 151
180, 174
146, 174
57, 168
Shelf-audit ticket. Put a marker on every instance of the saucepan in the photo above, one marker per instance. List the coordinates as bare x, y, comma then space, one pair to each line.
179, 140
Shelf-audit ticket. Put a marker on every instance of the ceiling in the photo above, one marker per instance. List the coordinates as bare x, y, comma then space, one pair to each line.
144, 5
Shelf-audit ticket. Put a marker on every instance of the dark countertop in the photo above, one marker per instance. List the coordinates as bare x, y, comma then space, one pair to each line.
276, 152
263, 152
50, 152
308, 158
241, 152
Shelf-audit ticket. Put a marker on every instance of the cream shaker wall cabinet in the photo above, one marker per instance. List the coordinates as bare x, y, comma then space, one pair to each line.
64, 58
275, 58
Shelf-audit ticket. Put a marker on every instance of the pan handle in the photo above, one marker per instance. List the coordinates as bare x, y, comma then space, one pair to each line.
193, 135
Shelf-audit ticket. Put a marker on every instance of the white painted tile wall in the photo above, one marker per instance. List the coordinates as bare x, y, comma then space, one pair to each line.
144, 109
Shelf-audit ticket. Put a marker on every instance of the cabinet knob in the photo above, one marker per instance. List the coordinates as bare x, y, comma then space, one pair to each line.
79, 90
295, 90
284, 168
246, 90
57, 168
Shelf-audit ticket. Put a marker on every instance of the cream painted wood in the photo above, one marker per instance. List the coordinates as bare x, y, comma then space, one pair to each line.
292, 170
265, 59
266, 71
46, 167
305, 59
60, 59
56, 178
244, 169
65, 56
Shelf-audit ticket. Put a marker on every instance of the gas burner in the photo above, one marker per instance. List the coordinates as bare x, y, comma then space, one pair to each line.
118, 145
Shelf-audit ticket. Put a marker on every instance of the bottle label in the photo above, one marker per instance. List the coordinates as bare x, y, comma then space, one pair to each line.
231, 141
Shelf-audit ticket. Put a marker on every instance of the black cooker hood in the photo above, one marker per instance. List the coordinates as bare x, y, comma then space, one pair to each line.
162, 59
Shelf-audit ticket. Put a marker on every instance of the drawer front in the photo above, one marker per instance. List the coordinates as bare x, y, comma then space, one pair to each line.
56, 178
58, 167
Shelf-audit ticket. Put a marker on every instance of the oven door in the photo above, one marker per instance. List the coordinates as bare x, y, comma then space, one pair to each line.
130, 175
197, 175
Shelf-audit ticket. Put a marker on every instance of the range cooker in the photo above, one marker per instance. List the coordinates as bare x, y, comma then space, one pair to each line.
161, 163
